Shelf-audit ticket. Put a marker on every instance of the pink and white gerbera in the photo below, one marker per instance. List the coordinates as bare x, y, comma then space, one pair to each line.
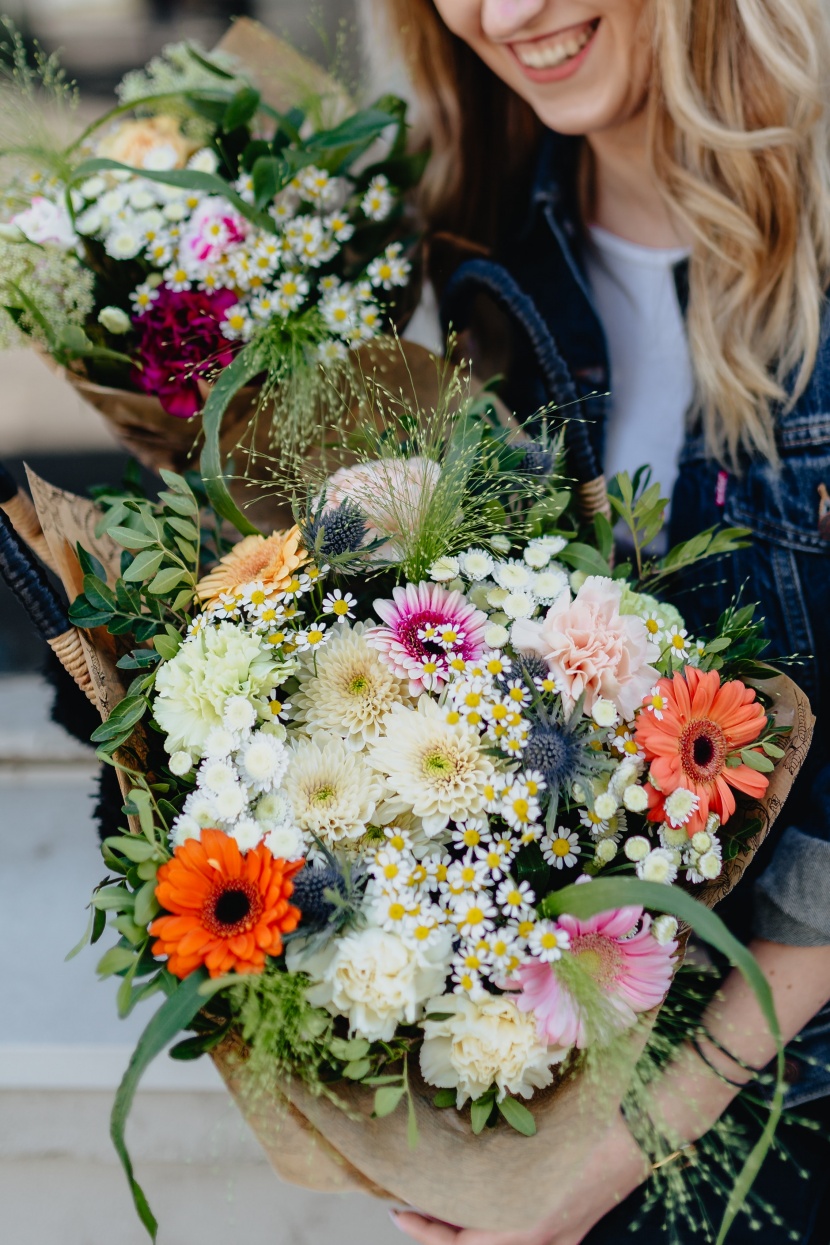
618, 951
426, 627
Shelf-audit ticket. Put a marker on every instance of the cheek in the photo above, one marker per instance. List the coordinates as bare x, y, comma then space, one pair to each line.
462, 17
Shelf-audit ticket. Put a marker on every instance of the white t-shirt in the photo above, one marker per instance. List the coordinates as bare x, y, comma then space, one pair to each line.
651, 372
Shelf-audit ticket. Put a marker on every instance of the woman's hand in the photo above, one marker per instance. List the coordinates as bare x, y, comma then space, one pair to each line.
614, 1169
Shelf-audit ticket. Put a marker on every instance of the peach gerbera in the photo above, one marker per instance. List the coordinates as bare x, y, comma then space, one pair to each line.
269, 560
227, 911
703, 724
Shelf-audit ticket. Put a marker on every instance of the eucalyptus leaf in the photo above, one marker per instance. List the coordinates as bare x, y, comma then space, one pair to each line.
387, 1099
518, 1116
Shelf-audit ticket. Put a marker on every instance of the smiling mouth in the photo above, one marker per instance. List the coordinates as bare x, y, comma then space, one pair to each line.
551, 51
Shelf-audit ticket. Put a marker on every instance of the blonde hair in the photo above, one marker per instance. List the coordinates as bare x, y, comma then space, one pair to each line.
739, 141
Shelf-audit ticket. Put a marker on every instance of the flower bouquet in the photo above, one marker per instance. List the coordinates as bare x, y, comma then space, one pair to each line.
234, 207
422, 799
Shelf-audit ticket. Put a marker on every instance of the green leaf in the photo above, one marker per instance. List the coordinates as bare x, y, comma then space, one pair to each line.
166, 580
357, 1069
82, 614
444, 1098
195, 1047
180, 504
128, 929
129, 538
480, 1112
141, 805
174, 1015
146, 904
439, 1016
518, 1116
116, 960
98, 594
387, 1099
165, 646
134, 848
184, 528
242, 109
144, 566
757, 761
606, 894
269, 176
772, 750
121, 721
247, 364
584, 558
85, 938
114, 899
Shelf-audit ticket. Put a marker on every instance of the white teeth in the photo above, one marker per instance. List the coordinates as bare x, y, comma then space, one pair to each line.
549, 55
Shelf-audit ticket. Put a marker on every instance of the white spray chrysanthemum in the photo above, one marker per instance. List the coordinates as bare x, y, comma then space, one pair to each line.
262, 761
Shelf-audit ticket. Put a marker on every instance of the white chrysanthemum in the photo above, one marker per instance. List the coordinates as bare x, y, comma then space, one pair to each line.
201, 807
185, 828
512, 575
332, 790
637, 848
374, 978
496, 636
605, 805
664, 929
263, 761
285, 843
351, 690
435, 767
194, 686
476, 564
231, 803
605, 713
247, 833
180, 763
219, 743
274, 810
710, 866
606, 850
217, 775
485, 1042
660, 865
518, 605
444, 569
547, 585
680, 805
239, 714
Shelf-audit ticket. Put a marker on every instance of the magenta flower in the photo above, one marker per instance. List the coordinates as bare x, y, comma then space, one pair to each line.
632, 970
426, 627
180, 342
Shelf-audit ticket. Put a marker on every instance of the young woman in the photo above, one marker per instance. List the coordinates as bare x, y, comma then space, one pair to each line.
642, 187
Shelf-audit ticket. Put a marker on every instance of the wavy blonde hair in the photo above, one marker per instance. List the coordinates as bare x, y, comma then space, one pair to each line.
739, 137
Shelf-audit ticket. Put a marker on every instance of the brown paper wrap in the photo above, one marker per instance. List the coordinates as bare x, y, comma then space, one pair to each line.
499, 1180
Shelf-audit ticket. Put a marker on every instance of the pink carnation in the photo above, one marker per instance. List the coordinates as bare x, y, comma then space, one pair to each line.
210, 233
426, 608
634, 971
591, 648
181, 341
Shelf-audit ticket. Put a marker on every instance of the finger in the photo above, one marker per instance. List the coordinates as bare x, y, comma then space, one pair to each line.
427, 1231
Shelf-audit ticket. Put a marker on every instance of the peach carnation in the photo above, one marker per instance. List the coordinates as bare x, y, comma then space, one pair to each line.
393, 495
591, 648
270, 560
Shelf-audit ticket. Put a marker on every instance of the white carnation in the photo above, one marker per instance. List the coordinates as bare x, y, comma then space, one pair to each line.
374, 979
486, 1041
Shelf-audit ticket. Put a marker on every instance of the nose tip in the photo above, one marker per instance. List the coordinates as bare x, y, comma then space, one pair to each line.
502, 18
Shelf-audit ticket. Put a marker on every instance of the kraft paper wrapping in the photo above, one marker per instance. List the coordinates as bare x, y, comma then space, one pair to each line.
499, 1180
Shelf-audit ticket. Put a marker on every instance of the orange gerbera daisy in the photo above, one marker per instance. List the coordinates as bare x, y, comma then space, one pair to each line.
228, 911
269, 560
699, 725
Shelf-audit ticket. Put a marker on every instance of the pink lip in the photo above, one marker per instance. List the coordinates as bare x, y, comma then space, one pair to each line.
559, 72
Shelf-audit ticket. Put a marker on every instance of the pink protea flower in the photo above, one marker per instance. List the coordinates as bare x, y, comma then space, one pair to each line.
631, 971
426, 627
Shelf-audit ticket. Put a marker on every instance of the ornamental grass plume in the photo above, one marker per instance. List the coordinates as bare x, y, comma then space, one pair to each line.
268, 560
226, 911
703, 724
600, 983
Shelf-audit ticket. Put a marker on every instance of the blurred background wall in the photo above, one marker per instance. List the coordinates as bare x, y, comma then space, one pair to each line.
62, 1048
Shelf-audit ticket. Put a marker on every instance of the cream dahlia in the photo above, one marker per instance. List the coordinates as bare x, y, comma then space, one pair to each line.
435, 768
415, 619
347, 689
333, 792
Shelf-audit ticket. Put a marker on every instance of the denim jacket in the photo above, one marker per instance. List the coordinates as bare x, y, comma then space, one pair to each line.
535, 295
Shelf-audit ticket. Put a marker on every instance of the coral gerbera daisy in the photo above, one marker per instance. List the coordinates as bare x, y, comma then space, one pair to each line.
601, 981
225, 910
269, 560
417, 619
703, 724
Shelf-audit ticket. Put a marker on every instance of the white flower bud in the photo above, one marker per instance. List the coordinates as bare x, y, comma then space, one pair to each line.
637, 848
604, 712
114, 320
664, 929
606, 850
701, 842
674, 836
536, 556
712, 823
605, 806
578, 793
180, 764
496, 636
500, 543
658, 866
635, 799
577, 580
496, 597
709, 866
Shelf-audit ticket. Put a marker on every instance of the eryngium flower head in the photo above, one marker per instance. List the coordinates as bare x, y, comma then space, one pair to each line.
556, 752
537, 460
324, 893
334, 532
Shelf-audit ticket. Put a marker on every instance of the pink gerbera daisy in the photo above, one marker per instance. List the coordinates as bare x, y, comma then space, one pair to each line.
426, 627
611, 971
